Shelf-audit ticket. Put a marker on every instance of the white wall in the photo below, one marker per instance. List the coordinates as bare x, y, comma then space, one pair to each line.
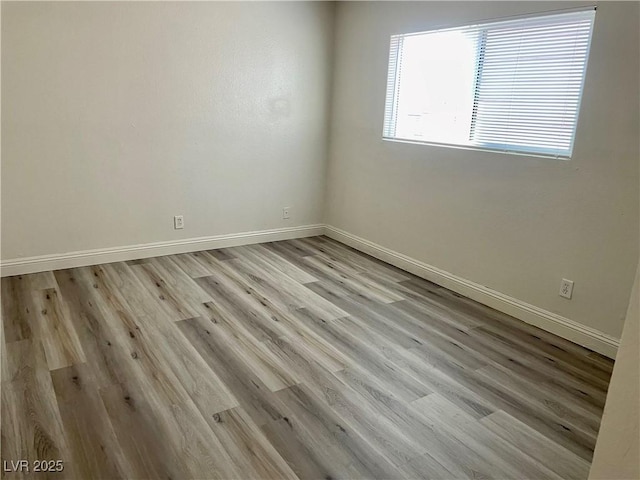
118, 116
512, 223
617, 453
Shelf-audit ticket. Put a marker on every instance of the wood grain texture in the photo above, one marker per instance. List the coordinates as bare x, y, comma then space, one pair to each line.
295, 359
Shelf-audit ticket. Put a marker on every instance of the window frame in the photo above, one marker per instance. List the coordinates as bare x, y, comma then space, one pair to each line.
392, 81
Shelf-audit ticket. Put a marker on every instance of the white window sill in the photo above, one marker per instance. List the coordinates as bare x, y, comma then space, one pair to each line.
477, 148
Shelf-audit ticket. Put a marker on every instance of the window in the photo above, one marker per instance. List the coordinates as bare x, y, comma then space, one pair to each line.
511, 86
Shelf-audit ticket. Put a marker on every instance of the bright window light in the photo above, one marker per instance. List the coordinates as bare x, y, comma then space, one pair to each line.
511, 86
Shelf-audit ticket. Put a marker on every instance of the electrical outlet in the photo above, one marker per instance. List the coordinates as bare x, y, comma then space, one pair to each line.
566, 288
178, 222
286, 213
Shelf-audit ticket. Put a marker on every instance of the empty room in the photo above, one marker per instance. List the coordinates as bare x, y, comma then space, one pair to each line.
320, 240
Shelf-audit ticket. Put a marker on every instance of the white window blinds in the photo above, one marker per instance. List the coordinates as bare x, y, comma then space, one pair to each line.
510, 85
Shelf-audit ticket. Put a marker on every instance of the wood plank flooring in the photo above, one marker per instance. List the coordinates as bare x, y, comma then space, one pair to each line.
295, 359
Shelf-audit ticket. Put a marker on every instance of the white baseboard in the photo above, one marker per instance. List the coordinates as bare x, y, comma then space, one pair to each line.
549, 321
43, 263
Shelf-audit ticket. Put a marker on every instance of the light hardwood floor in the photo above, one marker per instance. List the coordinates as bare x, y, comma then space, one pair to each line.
295, 359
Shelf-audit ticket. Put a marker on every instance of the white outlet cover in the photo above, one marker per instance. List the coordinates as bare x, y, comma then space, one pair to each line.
286, 212
566, 288
178, 222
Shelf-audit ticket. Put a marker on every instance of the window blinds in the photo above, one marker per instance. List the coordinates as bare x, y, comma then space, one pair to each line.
529, 74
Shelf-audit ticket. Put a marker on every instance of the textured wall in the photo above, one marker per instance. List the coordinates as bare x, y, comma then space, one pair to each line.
617, 453
116, 116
